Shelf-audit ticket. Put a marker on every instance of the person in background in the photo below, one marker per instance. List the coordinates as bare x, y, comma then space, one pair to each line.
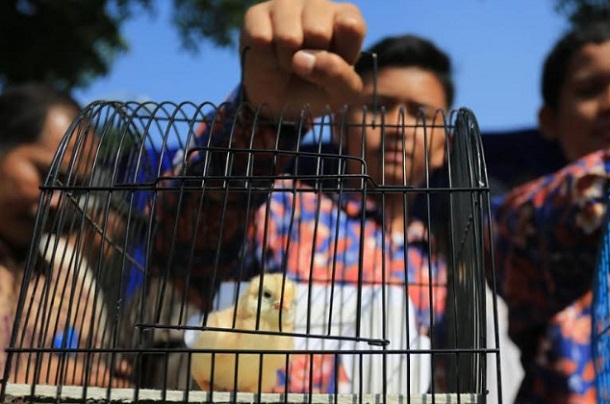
547, 231
33, 120
317, 64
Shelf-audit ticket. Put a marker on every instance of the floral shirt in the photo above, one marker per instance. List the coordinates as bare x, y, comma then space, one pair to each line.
546, 242
323, 238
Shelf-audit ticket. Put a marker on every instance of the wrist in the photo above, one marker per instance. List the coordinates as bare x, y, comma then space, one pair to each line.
261, 115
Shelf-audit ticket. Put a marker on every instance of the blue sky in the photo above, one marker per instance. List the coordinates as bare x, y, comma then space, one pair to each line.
497, 47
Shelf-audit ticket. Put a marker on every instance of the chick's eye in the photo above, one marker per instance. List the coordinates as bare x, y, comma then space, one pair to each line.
267, 294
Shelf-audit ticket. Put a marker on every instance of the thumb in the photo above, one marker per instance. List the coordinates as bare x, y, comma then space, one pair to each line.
328, 71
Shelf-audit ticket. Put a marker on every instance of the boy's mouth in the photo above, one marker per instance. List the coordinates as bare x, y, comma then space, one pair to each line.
396, 154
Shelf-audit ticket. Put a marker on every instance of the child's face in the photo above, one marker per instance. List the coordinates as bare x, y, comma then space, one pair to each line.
582, 119
22, 170
400, 158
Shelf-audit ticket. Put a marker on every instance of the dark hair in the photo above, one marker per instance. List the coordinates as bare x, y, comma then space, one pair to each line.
23, 111
407, 51
558, 60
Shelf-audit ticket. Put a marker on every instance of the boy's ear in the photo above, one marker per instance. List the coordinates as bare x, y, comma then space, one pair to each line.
547, 122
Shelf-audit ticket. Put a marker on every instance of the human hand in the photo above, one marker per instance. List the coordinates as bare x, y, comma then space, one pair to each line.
301, 53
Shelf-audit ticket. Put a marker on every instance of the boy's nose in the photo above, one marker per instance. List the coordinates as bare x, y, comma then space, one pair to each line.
399, 122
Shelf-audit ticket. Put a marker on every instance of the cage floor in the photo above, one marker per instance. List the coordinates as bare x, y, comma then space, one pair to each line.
22, 394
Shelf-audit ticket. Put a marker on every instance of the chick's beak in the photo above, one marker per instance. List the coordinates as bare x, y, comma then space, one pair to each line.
278, 305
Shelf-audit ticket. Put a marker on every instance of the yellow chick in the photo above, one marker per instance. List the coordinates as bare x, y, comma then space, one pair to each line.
277, 299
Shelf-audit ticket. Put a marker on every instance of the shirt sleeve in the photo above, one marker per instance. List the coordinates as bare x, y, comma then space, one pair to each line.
205, 202
545, 244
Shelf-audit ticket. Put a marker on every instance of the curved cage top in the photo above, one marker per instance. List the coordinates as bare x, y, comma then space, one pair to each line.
111, 272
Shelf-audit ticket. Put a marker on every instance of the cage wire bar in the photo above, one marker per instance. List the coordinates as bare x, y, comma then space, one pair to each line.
101, 318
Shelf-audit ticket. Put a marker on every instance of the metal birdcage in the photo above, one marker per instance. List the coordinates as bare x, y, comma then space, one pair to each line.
111, 307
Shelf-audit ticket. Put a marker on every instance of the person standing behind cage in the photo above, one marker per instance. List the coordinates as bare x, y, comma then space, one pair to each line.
413, 82
316, 64
547, 231
33, 120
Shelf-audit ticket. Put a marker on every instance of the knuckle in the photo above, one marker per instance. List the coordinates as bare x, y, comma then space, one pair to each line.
288, 40
283, 3
252, 32
351, 9
253, 13
257, 38
352, 15
318, 33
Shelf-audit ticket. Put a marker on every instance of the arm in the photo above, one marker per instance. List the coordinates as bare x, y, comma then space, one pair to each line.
206, 201
296, 53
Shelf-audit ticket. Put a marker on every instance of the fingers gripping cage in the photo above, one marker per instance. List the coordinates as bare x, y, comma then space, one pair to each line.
130, 257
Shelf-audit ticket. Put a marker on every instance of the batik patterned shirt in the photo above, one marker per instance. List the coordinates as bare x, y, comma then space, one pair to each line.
326, 237
546, 242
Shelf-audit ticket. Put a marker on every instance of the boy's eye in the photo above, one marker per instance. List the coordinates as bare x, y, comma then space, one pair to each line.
420, 111
408, 109
374, 109
588, 92
589, 89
